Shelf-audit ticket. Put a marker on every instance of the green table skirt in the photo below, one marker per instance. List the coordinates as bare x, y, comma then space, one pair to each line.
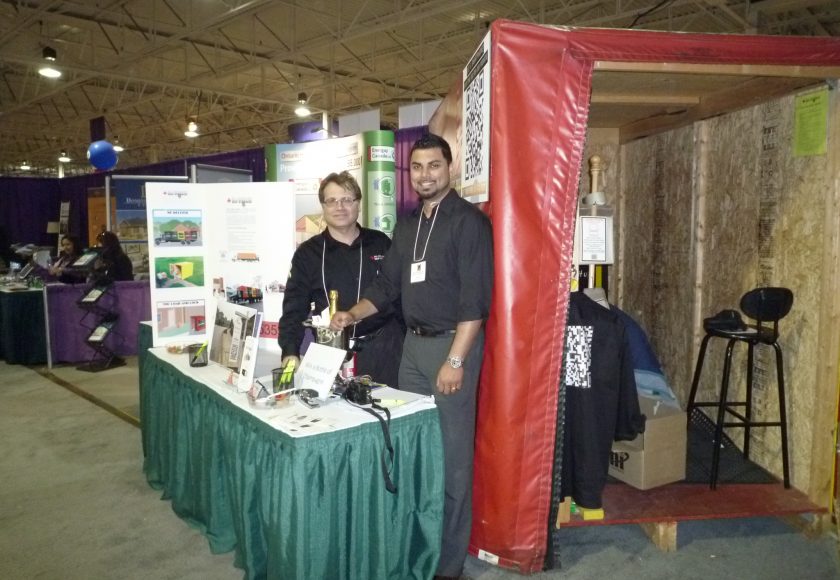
304, 508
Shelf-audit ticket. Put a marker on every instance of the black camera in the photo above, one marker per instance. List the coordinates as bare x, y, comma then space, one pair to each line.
358, 393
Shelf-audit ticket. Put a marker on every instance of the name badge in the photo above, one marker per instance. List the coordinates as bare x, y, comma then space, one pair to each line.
418, 272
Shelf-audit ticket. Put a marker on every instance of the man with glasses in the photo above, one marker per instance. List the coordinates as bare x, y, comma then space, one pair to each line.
441, 268
345, 257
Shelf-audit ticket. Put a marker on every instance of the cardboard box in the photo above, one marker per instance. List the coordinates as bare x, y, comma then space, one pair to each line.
657, 456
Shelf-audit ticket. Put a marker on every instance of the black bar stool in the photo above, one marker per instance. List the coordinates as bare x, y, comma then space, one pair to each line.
765, 306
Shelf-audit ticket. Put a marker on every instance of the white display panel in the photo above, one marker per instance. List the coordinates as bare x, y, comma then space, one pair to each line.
210, 241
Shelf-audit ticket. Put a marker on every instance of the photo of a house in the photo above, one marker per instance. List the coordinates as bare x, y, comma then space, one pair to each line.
180, 320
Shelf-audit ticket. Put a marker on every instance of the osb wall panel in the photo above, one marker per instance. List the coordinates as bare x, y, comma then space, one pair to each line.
671, 277
656, 266
635, 222
777, 240
730, 224
762, 224
793, 259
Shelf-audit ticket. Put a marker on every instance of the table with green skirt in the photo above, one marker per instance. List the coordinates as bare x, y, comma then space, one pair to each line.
291, 507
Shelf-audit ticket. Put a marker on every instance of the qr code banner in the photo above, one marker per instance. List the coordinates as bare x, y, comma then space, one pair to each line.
475, 129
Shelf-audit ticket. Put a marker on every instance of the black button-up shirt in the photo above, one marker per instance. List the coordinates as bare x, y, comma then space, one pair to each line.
459, 266
341, 272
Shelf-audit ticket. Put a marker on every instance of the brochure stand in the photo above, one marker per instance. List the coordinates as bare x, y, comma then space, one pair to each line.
99, 306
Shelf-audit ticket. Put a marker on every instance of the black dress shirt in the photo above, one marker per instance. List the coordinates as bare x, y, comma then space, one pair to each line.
341, 272
456, 244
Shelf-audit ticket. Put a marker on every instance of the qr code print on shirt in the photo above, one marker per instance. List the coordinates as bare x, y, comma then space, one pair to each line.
474, 128
579, 356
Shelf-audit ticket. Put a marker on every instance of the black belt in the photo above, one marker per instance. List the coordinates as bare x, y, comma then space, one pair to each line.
369, 336
420, 331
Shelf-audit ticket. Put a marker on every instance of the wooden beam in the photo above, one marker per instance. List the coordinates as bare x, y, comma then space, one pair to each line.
823, 442
758, 70
647, 99
564, 512
746, 94
663, 535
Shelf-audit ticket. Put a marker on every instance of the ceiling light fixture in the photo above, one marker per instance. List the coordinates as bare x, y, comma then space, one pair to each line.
192, 130
48, 70
25, 166
302, 110
117, 147
63, 158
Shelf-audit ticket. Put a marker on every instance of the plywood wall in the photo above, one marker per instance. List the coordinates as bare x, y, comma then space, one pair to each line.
709, 212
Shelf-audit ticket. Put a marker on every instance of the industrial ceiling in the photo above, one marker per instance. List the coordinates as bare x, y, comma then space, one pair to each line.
237, 67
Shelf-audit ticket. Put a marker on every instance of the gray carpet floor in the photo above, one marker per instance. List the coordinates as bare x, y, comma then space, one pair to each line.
74, 504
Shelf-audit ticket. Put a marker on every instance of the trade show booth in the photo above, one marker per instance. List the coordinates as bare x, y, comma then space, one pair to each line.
720, 185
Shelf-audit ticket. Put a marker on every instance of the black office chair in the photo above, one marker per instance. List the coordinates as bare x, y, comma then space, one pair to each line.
766, 306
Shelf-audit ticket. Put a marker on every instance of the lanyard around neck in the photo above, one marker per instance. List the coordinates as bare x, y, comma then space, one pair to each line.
428, 237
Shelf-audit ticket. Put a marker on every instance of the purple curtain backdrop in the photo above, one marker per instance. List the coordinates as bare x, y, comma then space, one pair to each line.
403, 140
28, 203
70, 326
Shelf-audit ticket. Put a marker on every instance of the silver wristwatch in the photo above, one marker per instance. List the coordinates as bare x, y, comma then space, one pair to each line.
455, 361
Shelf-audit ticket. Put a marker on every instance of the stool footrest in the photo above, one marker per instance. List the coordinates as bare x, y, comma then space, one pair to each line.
754, 424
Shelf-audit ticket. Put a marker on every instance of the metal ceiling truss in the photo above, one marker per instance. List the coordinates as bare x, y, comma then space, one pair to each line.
237, 66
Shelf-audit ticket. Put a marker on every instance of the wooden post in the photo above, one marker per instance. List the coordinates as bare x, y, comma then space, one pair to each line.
663, 535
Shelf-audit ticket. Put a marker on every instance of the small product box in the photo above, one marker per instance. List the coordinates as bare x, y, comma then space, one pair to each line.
657, 456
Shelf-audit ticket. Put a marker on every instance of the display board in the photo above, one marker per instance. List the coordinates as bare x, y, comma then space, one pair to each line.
201, 173
369, 157
214, 242
126, 196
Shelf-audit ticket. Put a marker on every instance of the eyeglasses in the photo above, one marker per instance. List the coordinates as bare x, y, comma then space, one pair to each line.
332, 202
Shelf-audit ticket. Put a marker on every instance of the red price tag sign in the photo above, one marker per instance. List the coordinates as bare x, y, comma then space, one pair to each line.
270, 330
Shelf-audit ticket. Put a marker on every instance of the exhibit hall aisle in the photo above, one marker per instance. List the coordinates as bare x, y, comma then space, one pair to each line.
74, 504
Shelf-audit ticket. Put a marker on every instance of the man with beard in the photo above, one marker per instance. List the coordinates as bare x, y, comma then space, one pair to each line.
441, 266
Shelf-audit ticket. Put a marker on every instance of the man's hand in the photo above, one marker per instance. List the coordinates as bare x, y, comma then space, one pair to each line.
288, 358
449, 380
341, 320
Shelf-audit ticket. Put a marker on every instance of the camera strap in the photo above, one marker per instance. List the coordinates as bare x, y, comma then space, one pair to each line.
385, 423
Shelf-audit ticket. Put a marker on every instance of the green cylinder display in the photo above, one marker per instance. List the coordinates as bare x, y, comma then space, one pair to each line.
380, 181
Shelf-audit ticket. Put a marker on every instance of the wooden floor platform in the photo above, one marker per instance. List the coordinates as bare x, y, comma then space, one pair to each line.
659, 510
695, 501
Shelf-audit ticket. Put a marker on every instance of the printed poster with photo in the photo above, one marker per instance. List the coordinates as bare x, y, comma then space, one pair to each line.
304, 165
228, 243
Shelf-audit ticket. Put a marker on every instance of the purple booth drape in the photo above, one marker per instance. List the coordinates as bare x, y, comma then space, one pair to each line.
403, 140
28, 203
70, 326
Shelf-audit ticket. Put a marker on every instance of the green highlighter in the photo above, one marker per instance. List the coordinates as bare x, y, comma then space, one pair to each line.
287, 376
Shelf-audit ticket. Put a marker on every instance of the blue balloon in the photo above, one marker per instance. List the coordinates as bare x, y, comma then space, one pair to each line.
102, 155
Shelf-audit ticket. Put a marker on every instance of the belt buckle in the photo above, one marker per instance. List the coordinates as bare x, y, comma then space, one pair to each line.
427, 332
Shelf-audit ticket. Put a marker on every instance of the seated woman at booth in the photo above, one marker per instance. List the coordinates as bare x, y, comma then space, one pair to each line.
70, 252
112, 265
